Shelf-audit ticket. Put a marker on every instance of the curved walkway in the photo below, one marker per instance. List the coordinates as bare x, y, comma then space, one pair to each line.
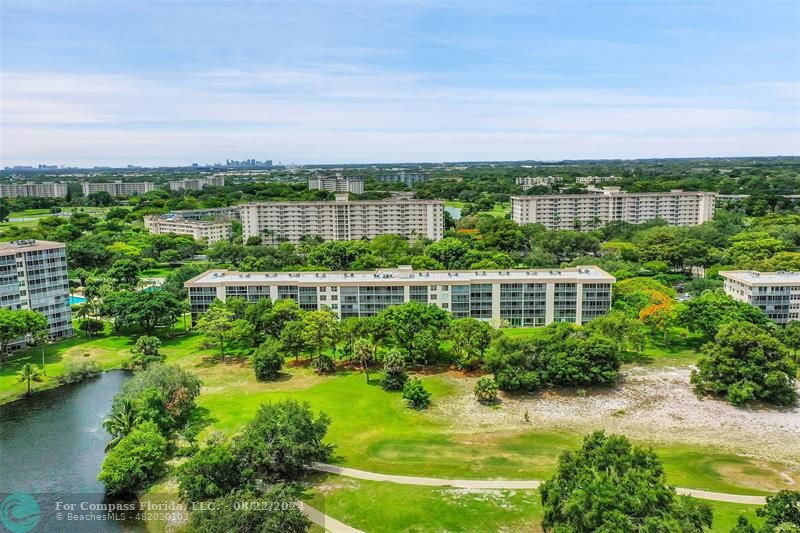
325, 521
508, 484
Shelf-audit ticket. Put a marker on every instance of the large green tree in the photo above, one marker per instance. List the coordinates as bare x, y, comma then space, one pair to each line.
609, 485
282, 441
136, 460
745, 363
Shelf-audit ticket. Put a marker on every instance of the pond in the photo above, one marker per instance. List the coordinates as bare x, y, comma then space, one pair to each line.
52, 446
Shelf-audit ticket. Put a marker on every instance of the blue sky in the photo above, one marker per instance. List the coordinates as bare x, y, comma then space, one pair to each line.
173, 82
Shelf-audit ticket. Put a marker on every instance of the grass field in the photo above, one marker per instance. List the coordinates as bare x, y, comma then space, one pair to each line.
499, 210
377, 506
374, 430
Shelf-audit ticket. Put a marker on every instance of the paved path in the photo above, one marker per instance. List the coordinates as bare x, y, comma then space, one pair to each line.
507, 484
321, 519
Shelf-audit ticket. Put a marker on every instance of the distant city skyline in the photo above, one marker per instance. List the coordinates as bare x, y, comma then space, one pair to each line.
172, 82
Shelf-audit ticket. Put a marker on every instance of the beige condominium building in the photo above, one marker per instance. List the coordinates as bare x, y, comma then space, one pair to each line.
200, 230
587, 180
342, 219
512, 297
34, 190
117, 188
197, 184
336, 183
775, 293
33, 275
528, 182
601, 206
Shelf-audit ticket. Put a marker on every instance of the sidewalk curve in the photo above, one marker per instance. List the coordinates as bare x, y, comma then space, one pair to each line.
508, 484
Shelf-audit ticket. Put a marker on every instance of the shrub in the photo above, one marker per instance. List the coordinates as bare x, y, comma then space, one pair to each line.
416, 395
276, 511
91, 326
75, 372
146, 352
136, 460
324, 363
746, 363
394, 367
486, 390
282, 441
211, 473
267, 360
610, 485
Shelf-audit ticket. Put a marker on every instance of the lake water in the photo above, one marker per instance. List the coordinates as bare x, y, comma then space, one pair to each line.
52, 446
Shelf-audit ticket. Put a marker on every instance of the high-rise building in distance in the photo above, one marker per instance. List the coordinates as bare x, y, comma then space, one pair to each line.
599, 207
342, 219
338, 183
33, 190
196, 184
775, 293
117, 188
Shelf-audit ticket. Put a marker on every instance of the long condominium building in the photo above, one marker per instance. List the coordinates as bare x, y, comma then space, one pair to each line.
512, 297
342, 220
33, 190
601, 206
33, 275
337, 183
117, 188
587, 180
407, 179
196, 184
528, 182
200, 230
775, 293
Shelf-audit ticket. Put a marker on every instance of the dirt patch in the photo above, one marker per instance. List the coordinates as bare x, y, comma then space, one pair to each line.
755, 480
651, 404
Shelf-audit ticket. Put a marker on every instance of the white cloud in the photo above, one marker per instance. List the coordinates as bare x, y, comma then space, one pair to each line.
342, 113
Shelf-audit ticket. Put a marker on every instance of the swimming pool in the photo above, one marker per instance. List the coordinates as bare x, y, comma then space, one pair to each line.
76, 300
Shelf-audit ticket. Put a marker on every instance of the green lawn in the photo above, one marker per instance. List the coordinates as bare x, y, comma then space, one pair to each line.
158, 272
376, 506
499, 210
109, 351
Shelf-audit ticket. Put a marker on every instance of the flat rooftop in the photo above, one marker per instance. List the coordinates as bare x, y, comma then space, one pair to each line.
752, 277
28, 245
401, 276
188, 221
347, 201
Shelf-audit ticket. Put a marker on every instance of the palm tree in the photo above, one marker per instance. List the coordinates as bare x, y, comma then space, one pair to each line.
364, 352
29, 373
121, 421
40, 337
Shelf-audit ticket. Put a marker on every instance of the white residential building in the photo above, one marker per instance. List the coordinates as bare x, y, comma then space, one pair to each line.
587, 180
338, 183
512, 297
407, 179
528, 182
775, 293
117, 188
196, 184
33, 275
342, 219
208, 231
33, 190
599, 207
